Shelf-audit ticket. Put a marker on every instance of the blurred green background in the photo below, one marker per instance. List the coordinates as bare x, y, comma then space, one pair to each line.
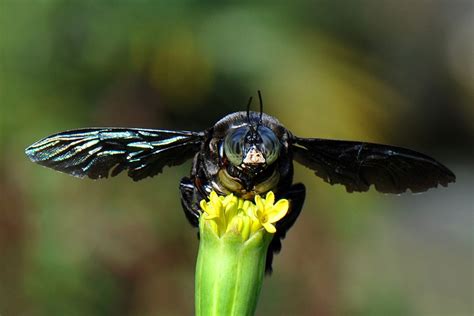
398, 72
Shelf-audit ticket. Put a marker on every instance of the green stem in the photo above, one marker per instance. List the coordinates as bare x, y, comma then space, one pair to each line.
229, 272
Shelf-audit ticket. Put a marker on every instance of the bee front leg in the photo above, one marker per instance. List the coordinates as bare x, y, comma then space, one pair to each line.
190, 198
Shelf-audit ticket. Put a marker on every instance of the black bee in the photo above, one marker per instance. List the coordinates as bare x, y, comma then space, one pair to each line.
245, 153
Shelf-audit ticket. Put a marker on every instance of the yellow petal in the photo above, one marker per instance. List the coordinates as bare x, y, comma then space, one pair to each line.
255, 225
231, 210
228, 199
240, 203
278, 211
203, 205
248, 209
259, 203
245, 232
213, 196
216, 200
235, 225
211, 215
213, 226
269, 228
269, 199
213, 208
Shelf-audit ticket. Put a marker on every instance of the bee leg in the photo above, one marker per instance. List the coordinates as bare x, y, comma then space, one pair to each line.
189, 201
296, 195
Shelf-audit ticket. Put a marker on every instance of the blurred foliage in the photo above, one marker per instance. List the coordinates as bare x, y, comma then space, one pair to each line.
397, 72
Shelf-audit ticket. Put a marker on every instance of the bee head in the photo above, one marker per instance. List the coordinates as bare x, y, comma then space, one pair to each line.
252, 144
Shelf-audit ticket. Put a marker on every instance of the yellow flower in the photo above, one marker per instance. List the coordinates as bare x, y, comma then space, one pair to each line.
269, 213
230, 214
213, 208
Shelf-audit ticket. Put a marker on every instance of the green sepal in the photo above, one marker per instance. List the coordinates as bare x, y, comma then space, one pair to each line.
229, 271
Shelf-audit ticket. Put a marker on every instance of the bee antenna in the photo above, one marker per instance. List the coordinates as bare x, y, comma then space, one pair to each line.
261, 105
248, 109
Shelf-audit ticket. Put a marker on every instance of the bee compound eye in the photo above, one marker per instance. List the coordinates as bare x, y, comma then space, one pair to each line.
234, 144
270, 145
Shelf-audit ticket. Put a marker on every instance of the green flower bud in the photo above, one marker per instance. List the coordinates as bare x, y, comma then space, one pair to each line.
235, 235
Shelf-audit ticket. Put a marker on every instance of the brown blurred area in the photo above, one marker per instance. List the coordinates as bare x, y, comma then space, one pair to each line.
396, 72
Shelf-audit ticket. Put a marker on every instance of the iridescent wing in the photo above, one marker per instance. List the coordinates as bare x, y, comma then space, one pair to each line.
98, 152
358, 165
